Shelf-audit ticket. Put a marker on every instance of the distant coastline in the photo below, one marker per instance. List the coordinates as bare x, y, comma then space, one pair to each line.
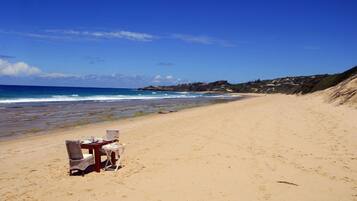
285, 85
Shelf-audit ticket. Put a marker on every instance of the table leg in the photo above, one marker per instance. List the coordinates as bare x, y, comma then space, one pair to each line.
90, 151
97, 159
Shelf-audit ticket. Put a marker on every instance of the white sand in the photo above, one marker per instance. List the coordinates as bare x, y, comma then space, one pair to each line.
231, 151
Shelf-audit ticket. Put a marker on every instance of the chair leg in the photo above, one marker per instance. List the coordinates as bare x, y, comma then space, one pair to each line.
108, 160
106, 164
119, 156
118, 163
81, 171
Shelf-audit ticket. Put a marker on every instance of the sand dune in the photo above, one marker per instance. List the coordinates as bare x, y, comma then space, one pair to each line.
343, 93
273, 147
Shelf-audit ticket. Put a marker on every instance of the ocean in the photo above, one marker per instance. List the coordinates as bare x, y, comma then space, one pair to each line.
29, 110
28, 94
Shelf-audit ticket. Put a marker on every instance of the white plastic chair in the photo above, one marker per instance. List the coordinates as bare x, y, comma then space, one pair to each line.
77, 160
112, 135
109, 135
116, 148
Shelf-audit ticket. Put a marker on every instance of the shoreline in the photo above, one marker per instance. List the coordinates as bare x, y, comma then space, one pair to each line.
63, 131
4, 139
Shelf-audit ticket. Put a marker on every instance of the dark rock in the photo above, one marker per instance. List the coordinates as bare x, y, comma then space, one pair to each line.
218, 86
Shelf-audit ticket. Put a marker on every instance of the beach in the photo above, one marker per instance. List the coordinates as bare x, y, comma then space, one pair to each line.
270, 147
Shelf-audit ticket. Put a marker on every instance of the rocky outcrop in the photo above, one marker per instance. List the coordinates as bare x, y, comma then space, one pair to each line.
218, 86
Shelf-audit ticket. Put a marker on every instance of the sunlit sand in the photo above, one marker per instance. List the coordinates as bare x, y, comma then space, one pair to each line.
271, 147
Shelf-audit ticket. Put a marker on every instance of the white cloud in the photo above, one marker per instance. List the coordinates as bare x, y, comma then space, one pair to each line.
17, 68
72, 34
23, 73
194, 39
42, 36
168, 79
23, 69
56, 75
205, 40
157, 77
135, 36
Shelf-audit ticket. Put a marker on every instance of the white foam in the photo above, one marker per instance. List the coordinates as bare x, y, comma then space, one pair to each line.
62, 98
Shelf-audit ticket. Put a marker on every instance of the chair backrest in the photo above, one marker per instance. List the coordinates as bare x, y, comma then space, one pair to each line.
112, 135
74, 149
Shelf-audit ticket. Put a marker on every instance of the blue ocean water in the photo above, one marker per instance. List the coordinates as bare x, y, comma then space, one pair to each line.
27, 94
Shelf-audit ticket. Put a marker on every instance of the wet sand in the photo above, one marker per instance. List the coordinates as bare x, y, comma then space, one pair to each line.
21, 119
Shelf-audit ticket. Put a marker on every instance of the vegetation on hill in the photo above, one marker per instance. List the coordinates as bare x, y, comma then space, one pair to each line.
286, 85
343, 93
334, 79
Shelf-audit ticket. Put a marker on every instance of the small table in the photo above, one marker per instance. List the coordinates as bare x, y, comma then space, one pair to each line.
96, 147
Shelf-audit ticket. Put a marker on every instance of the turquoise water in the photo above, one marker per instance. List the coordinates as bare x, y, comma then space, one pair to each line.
28, 94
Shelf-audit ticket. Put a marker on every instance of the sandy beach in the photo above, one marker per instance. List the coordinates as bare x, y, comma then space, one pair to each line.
271, 147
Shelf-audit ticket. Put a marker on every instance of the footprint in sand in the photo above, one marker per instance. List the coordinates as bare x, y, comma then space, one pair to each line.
267, 196
262, 188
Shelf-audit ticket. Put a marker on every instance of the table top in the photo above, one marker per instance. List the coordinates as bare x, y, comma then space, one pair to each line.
97, 144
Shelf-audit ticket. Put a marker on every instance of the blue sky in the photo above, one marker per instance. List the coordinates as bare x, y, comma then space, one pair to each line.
135, 43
